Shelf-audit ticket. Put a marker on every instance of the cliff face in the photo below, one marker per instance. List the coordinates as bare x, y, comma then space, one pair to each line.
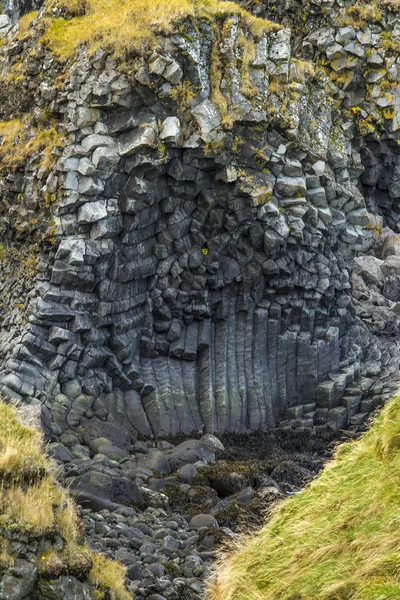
189, 221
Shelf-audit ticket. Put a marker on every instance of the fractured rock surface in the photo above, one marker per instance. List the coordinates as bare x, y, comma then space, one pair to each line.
201, 273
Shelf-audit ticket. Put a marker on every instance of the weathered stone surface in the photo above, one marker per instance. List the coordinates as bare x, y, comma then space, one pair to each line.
18, 582
215, 261
200, 521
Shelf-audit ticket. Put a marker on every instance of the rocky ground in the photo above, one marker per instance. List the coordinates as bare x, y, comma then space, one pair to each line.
163, 509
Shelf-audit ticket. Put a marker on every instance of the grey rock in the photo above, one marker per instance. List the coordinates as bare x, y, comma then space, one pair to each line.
137, 140
207, 116
187, 473
190, 452
105, 159
4, 21
94, 140
212, 441
170, 130
155, 461
68, 588
18, 580
203, 520
91, 212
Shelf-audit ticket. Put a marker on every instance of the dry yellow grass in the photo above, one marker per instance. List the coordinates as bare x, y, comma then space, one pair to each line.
107, 574
32, 502
248, 57
302, 70
362, 13
19, 141
21, 450
339, 539
32, 506
24, 23
126, 26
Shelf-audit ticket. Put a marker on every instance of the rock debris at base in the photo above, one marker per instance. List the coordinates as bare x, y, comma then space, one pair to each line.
167, 523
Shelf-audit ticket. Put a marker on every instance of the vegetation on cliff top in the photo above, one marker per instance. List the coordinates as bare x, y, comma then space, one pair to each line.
125, 26
33, 503
339, 539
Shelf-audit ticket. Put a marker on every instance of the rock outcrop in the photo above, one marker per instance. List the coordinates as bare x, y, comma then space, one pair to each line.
196, 228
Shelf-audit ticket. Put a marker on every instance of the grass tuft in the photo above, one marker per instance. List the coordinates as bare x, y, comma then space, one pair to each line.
107, 574
32, 502
339, 539
19, 141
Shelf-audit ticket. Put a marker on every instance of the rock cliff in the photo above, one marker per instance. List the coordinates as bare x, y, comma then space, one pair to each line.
200, 234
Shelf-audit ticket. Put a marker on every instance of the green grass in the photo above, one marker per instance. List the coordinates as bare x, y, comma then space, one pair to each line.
339, 539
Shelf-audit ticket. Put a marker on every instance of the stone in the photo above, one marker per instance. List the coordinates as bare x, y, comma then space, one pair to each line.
105, 159
68, 588
112, 452
30, 415
60, 452
201, 241
317, 196
187, 473
94, 140
190, 452
207, 116
18, 580
292, 169
137, 140
173, 72
212, 441
390, 246
290, 187
391, 266
203, 520
155, 461
94, 429
4, 21
245, 496
91, 212
170, 130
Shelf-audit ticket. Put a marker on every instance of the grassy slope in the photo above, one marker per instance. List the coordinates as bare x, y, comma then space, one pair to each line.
32, 502
124, 26
339, 539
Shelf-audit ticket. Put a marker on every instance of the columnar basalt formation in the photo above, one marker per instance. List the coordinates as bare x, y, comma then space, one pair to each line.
204, 207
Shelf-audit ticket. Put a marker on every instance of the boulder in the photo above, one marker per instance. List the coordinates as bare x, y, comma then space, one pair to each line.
18, 581
190, 451
100, 491
212, 441
170, 130
203, 520
93, 429
391, 266
390, 246
155, 461
369, 268
207, 116
187, 473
